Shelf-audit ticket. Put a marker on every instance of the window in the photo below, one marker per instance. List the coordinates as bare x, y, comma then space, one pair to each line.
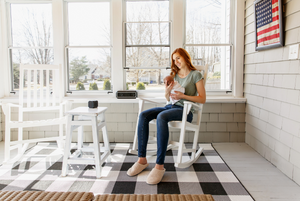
208, 39
151, 29
147, 44
31, 37
89, 46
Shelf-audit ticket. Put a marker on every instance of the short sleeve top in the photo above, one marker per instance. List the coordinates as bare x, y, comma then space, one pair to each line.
189, 83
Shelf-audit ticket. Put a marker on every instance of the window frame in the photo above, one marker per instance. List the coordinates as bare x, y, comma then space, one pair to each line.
125, 68
10, 46
67, 47
230, 44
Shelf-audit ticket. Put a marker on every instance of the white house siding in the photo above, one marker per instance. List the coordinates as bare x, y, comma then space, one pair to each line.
221, 122
272, 89
1, 130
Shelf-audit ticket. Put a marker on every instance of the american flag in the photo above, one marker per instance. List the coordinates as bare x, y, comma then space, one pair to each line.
267, 22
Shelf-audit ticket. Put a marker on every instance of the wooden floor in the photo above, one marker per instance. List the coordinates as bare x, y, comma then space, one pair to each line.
262, 180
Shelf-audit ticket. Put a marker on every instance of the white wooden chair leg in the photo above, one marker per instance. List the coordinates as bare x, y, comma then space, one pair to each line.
80, 137
182, 136
134, 149
23, 150
180, 147
106, 143
135, 142
67, 147
7, 143
60, 142
96, 147
195, 142
20, 138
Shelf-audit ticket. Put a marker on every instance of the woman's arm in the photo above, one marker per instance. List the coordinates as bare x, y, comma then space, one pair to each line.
200, 98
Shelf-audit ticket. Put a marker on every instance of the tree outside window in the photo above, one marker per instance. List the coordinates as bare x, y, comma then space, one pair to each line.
32, 37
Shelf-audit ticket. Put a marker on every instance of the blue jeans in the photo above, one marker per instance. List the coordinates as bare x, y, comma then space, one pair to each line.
162, 115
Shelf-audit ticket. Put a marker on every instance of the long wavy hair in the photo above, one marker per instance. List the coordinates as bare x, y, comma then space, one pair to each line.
187, 58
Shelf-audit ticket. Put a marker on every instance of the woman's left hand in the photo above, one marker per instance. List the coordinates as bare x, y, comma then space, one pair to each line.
177, 96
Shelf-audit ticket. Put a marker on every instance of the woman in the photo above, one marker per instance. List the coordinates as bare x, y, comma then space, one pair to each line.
183, 71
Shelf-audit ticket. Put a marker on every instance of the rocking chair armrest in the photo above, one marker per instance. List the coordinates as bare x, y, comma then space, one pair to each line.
192, 103
13, 105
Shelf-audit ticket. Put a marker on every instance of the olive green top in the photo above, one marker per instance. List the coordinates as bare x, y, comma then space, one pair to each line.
189, 83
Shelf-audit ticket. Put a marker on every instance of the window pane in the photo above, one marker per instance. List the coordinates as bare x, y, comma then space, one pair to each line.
142, 11
89, 69
146, 79
89, 23
147, 33
218, 60
28, 56
31, 25
147, 57
147, 24
207, 21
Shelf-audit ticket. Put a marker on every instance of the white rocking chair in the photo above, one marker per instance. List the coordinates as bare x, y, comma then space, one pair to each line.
182, 125
39, 90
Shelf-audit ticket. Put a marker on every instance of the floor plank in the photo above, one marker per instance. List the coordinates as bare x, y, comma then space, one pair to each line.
262, 179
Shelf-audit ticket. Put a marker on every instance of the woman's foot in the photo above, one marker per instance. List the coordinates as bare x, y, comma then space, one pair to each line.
156, 174
137, 167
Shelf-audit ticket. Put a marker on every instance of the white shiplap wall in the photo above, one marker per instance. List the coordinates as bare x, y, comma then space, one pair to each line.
1, 132
272, 89
221, 122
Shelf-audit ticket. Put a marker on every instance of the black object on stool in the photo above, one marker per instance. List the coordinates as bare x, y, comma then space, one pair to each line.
93, 104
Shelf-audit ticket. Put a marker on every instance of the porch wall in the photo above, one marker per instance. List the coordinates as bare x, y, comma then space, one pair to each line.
272, 89
221, 122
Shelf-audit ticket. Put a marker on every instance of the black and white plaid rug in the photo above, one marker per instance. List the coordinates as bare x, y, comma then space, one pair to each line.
40, 169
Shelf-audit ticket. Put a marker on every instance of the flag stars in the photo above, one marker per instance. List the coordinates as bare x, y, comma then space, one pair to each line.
263, 12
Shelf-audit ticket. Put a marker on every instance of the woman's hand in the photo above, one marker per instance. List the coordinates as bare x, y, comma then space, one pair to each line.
168, 90
177, 96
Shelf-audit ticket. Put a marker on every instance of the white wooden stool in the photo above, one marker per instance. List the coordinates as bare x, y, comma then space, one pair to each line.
86, 117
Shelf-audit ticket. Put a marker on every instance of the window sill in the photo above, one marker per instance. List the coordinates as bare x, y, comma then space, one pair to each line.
113, 99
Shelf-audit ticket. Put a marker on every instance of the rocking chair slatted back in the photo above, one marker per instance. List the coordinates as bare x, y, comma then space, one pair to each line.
42, 86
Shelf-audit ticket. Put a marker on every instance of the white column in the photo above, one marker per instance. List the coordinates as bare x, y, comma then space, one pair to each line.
4, 56
117, 57
224, 72
59, 38
177, 9
238, 51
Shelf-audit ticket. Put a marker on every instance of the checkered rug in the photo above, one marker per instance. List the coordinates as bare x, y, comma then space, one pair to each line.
40, 170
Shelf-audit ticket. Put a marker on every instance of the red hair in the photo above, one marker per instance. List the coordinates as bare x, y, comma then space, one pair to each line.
187, 58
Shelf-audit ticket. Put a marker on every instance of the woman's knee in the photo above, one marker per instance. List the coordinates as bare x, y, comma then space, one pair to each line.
145, 116
162, 117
